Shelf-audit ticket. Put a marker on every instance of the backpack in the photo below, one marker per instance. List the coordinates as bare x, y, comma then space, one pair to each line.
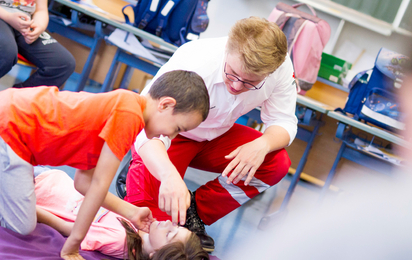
175, 21
373, 93
307, 36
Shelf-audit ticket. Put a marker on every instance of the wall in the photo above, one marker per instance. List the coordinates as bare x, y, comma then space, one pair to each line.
223, 14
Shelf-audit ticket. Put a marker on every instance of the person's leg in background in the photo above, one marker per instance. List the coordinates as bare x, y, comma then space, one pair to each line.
54, 62
17, 197
8, 48
216, 198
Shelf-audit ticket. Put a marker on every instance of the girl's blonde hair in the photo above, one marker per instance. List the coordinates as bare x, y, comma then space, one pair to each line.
261, 44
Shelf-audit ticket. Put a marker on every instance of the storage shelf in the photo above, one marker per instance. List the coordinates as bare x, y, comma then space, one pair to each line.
353, 16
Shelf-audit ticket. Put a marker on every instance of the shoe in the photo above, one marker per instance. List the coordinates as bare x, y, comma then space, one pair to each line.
196, 225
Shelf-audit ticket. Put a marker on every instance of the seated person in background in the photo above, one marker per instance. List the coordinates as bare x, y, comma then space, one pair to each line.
92, 133
57, 206
23, 26
250, 68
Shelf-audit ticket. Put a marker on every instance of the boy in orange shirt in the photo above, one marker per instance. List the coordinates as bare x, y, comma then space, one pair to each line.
91, 132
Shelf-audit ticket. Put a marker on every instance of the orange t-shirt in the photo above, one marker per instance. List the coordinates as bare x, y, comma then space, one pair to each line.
45, 126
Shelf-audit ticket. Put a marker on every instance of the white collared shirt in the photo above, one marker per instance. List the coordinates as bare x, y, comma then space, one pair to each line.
277, 97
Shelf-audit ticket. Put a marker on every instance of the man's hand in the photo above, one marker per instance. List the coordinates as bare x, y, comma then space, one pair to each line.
142, 218
246, 160
174, 198
19, 21
70, 250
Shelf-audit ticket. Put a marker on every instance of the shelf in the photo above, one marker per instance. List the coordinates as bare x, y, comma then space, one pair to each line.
350, 15
332, 84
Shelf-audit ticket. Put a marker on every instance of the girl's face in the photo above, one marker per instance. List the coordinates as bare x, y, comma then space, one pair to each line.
163, 233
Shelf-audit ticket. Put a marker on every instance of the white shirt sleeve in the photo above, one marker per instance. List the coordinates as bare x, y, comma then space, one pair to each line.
141, 139
279, 108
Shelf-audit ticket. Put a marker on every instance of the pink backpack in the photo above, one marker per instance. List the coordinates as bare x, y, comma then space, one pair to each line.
307, 35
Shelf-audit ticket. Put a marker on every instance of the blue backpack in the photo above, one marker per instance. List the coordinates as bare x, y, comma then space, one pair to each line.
175, 21
373, 93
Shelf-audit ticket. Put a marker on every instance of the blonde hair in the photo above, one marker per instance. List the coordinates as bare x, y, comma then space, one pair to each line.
261, 44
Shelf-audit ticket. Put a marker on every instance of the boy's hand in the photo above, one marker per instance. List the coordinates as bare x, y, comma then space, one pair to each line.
70, 250
174, 198
19, 21
142, 218
32, 33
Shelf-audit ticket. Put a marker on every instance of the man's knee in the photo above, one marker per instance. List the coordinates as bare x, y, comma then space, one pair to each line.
275, 167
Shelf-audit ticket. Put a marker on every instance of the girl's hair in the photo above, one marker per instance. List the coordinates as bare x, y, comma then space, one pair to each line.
261, 44
190, 250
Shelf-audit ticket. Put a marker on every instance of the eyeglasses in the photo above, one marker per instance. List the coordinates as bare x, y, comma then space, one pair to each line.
247, 85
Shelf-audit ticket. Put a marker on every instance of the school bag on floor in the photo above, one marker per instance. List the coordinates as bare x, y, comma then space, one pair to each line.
373, 93
175, 21
307, 36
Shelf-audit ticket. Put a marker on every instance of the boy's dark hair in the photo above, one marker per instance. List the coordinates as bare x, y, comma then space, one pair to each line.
186, 87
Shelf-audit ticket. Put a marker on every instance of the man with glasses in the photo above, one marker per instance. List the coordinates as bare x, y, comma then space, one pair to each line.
248, 69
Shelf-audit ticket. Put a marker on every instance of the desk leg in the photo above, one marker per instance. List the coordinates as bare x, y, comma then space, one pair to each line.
331, 174
111, 75
84, 76
264, 222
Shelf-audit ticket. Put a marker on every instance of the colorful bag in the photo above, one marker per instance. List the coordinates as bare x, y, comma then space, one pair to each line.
175, 21
373, 93
307, 36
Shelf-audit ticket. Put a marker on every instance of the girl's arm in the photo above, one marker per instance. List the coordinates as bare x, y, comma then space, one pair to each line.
45, 217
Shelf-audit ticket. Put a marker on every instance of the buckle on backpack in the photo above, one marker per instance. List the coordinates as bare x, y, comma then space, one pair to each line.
158, 31
142, 24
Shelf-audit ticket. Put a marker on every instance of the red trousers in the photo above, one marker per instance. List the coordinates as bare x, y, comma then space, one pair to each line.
214, 199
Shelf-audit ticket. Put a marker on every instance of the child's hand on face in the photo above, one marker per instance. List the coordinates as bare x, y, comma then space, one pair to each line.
32, 33
19, 21
142, 218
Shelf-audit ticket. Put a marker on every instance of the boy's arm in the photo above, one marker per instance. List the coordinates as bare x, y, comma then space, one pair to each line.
103, 175
140, 217
40, 21
174, 197
17, 20
41, 15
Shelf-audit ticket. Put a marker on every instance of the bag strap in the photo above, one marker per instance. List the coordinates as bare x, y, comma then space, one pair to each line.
164, 14
126, 17
310, 7
148, 14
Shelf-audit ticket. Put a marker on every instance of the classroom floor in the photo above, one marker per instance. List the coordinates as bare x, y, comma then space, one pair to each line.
235, 231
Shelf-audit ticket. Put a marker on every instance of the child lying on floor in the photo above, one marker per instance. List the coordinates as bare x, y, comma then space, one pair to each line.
58, 203
92, 133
